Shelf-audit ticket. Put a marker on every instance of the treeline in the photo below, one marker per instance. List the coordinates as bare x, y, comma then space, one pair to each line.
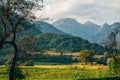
61, 59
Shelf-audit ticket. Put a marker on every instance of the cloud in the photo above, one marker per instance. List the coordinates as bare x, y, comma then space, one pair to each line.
98, 11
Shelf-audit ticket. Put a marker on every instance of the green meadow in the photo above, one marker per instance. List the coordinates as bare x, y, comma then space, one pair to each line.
62, 72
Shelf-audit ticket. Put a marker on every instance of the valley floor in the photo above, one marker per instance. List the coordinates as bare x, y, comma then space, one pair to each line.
62, 72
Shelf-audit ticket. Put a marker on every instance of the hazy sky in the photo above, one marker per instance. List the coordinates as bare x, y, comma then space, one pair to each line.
97, 11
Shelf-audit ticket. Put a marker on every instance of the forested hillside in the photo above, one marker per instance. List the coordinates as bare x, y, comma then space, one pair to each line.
65, 43
56, 43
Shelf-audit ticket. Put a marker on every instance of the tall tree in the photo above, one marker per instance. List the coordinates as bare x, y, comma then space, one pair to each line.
27, 46
111, 47
14, 16
111, 43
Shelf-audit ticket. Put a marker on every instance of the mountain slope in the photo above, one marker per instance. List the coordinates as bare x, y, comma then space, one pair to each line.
105, 30
68, 25
45, 27
75, 28
89, 31
102, 33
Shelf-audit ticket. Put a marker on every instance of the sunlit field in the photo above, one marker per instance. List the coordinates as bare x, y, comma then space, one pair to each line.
62, 72
102, 67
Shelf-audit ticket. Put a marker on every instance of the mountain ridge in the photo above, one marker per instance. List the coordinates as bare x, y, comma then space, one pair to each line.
92, 32
45, 27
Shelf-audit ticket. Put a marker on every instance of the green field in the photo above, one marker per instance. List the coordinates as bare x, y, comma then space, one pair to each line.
63, 72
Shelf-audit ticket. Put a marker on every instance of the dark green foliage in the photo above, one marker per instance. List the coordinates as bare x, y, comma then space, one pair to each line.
115, 65
64, 59
65, 43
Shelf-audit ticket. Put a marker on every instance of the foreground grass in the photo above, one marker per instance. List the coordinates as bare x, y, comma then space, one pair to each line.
60, 72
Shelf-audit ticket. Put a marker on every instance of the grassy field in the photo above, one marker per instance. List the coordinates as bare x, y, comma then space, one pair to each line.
62, 72
95, 67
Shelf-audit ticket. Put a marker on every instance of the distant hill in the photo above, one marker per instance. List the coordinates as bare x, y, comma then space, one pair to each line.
38, 27
89, 31
45, 27
65, 43
31, 31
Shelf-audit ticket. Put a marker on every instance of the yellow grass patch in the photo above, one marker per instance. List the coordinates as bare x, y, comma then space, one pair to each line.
101, 67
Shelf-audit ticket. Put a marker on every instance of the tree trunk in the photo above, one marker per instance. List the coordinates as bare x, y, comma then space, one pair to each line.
13, 63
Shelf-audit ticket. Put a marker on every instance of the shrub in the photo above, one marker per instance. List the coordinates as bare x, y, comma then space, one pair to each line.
115, 65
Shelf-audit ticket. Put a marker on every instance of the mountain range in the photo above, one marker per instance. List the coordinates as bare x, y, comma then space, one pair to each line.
89, 31
69, 26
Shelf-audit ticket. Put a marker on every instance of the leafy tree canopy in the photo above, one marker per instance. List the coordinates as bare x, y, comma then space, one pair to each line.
85, 56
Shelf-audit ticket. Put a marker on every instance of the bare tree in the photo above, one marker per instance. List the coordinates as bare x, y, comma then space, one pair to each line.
14, 16
111, 44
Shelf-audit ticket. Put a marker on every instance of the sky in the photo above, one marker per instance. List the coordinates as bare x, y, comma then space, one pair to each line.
97, 11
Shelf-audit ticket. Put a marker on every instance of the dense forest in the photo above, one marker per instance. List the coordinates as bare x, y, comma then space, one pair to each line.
66, 43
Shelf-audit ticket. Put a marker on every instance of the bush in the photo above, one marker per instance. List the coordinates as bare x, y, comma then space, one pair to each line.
115, 66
